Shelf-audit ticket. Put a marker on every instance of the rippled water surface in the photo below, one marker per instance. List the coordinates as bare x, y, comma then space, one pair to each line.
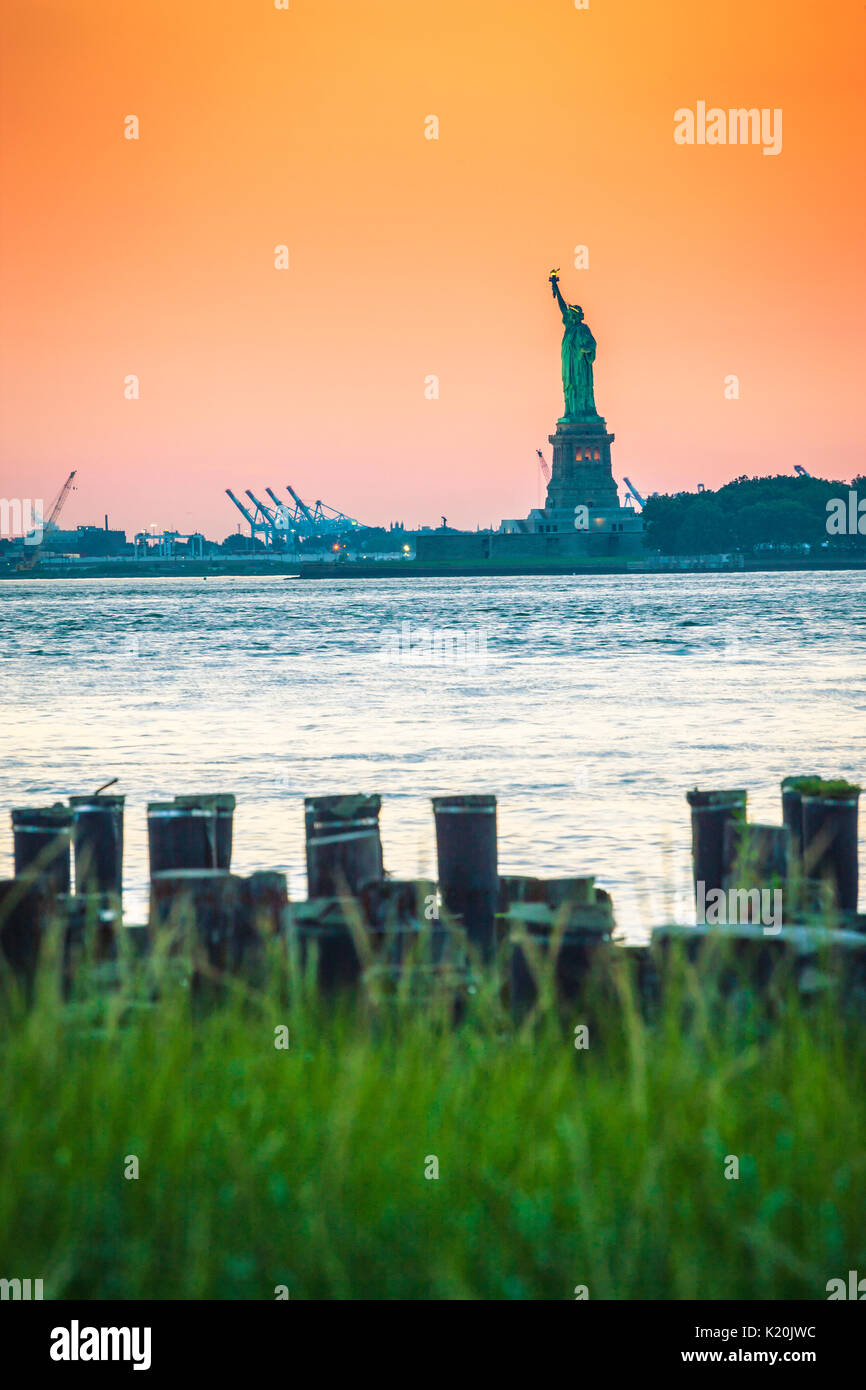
588, 705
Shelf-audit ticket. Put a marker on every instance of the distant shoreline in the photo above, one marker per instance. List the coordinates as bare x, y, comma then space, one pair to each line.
412, 569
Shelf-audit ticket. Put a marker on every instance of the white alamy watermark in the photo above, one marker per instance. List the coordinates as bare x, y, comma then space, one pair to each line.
715, 125
288, 779
581, 777
846, 518
23, 1289
76, 1343
22, 516
729, 907
855, 1288
731, 640
434, 646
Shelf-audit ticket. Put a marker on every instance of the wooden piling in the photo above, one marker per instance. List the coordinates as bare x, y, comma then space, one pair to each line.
747, 958
561, 920
180, 837
89, 925
756, 857
43, 837
792, 814
468, 872
711, 812
554, 892
343, 845
320, 937
203, 908
402, 920
91, 920
265, 899
24, 913
223, 806
97, 838
830, 833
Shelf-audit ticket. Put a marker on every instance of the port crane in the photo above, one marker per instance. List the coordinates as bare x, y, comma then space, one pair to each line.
266, 512
801, 471
321, 521
256, 526
274, 517
282, 519
282, 514
267, 522
51, 524
301, 507
633, 492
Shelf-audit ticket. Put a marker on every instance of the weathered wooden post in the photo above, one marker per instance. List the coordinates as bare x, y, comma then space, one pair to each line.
265, 898
468, 869
225, 815
90, 924
570, 912
344, 848
761, 851
24, 912
180, 837
711, 812
830, 813
792, 813
319, 931
403, 920
414, 958
732, 955
97, 837
203, 908
42, 837
554, 892
223, 806
757, 858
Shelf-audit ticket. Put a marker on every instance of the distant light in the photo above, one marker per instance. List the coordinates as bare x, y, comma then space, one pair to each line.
406, 549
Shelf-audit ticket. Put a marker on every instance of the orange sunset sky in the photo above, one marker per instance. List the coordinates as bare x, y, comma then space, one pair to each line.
411, 257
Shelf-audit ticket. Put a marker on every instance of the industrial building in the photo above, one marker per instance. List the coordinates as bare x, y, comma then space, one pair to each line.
87, 541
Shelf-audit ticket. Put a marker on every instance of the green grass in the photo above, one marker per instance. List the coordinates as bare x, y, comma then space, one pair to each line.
305, 1167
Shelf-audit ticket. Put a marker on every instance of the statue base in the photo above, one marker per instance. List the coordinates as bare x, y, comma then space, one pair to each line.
581, 474
592, 423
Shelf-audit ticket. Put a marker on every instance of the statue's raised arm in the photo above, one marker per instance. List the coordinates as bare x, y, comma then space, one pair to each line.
553, 277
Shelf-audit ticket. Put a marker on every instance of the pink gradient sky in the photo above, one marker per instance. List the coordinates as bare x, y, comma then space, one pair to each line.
411, 257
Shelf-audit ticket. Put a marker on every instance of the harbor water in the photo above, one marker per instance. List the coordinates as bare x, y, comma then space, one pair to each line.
588, 705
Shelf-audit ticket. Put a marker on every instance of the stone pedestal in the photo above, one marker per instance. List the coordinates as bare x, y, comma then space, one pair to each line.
581, 473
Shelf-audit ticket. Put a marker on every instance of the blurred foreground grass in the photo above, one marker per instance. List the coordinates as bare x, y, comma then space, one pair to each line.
305, 1166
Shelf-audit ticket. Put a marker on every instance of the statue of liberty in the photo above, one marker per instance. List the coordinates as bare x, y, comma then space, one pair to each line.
578, 355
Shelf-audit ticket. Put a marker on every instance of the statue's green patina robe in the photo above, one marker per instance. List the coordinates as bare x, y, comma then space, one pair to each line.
578, 355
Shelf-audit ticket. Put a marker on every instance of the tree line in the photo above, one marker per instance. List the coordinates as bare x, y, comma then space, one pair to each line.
747, 514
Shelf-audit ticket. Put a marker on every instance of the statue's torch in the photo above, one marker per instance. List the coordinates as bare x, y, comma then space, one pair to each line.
553, 277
